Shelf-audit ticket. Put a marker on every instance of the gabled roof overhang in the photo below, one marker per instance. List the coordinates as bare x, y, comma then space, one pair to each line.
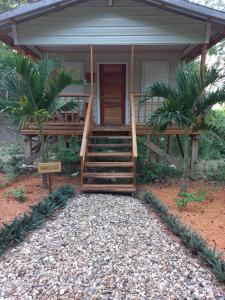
182, 7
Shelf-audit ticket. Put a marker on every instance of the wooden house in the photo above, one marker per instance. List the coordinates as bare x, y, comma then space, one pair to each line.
120, 47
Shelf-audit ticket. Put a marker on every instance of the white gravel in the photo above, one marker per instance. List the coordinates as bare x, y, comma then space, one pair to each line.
105, 247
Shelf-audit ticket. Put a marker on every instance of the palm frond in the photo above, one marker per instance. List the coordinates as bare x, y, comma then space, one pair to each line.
210, 99
161, 89
55, 86
60, 105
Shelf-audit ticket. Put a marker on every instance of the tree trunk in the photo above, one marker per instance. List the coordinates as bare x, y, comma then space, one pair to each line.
185, 179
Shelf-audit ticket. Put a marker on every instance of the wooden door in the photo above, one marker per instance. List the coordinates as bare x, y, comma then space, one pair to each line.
112, 94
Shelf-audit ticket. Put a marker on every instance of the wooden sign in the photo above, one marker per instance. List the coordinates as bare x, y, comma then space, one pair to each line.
50, 167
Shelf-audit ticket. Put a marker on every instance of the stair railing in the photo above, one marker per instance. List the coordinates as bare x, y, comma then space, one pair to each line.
133, 133
87, 129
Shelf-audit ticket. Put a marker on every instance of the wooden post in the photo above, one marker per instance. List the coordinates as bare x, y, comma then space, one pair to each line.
194, 153
203, 60
132, 71
50, 183
170, 145
92, 70
28, 147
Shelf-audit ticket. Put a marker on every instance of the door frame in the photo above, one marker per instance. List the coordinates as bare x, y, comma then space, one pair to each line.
98, 87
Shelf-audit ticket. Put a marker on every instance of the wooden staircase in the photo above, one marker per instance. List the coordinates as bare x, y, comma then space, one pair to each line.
108, 159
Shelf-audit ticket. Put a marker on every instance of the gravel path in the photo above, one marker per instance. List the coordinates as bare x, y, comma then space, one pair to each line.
104, 247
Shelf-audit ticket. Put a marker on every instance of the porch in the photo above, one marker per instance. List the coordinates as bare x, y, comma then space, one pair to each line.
109, 114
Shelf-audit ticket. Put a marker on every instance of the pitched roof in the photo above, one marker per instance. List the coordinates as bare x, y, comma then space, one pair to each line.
178, 6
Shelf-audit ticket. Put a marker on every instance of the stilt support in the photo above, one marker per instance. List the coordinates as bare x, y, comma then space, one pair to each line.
194, 153
28, 147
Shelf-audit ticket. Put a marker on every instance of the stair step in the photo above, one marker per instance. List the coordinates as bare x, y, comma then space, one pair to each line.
111, 129
113, 137
108, 154
108, 187
102, 164
109, 145
108, 175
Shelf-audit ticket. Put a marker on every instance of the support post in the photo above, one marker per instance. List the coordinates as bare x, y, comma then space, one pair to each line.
203, 60
132, 71
28, 147
170, 145
92, 70
194, 153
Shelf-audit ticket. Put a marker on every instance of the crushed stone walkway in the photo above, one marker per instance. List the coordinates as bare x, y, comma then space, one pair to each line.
104, 247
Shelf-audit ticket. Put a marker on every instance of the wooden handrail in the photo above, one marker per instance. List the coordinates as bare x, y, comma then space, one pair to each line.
87, 126
86, 132
133, 127
75, 95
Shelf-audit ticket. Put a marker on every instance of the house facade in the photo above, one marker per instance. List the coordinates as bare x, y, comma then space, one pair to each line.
119, 47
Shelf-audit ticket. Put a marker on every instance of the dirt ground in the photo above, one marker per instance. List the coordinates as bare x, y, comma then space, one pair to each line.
207, 218
10, 207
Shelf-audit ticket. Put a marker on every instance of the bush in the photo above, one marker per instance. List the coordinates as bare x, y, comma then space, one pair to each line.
186, 198
198, 245
11, 160
68, 152
212, 169
16, 231
150, 172
18, 194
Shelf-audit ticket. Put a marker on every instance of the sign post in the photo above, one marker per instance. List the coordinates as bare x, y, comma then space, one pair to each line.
49, 168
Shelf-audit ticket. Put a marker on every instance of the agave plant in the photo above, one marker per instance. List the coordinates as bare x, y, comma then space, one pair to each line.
32, 91
186, 104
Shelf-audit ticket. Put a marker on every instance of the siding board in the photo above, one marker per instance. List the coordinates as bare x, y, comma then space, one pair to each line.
126, 22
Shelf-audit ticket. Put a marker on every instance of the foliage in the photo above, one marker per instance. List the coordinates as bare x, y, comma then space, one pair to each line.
10, 4
16, 231
213, 170
11, 159
212, 142
184, 104
68, 152
186, 198
198, 245
33, 89
150, 172
18, 194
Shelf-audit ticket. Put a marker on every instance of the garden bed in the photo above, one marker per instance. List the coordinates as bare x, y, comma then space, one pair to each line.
33, 191
206, 218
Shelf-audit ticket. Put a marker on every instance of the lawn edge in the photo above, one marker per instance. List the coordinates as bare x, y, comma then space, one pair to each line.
16, 231
194, 241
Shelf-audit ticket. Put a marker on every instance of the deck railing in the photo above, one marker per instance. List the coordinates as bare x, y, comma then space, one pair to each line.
89, 120
61, 118
145, 105
133, 132
77, 115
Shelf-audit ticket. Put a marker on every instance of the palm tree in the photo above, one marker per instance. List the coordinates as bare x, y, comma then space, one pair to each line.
186, 104
32, 91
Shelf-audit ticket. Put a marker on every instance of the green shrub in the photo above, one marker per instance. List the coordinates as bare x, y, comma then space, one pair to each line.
186, 198
18, 194
11, 159
198, 245
68, 152
150, 172
16, 231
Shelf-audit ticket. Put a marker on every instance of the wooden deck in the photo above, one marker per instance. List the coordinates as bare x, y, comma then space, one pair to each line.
73, 123
76, 129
